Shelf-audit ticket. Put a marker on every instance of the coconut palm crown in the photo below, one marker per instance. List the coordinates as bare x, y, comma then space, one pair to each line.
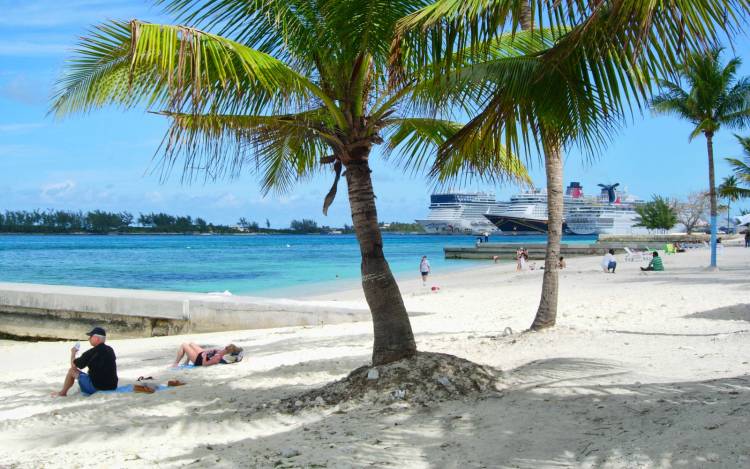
741, 167
605, 56
284, 88
714, 98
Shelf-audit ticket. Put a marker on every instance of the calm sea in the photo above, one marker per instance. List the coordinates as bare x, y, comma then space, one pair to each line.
258, 265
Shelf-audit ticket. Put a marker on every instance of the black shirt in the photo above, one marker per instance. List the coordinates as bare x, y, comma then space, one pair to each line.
102, 368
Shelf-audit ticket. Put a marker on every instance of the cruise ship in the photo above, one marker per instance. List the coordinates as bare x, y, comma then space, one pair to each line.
461, 213
526, 213
613, 213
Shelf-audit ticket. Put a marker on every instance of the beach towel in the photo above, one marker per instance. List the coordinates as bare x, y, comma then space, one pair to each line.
187, 365
127, 389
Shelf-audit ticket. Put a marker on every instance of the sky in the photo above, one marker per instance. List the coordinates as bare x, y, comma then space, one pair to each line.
104, 159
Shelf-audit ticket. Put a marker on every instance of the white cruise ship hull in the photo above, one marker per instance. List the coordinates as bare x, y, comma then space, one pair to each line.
457, 227
605, 223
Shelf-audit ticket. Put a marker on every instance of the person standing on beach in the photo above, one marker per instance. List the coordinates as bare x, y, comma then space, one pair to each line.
747, 237
522, 258
424, 269
99, 359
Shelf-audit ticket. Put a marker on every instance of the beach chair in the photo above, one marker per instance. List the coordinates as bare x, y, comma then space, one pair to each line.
633, 256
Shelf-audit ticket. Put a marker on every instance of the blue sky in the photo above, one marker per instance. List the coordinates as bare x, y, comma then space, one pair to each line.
102, 160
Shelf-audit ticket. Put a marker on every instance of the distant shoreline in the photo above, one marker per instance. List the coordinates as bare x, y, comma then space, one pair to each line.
198, 233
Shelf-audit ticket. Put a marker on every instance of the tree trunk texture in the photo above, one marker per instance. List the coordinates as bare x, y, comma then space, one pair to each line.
712, 194
394, 339
546, 314
527, 20
729, 214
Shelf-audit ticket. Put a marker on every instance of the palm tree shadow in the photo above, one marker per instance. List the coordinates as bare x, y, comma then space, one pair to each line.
548, 418
738, 312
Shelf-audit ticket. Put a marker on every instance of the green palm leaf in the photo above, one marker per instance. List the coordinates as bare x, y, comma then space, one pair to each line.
282, 149
412, 143
176, 68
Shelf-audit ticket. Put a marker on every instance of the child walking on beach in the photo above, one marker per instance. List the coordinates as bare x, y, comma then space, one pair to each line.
424, 269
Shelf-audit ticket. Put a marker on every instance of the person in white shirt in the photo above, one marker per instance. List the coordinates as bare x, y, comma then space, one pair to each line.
609, 263
424, 269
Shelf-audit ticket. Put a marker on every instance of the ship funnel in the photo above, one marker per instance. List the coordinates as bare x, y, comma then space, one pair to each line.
608, 191
574, 190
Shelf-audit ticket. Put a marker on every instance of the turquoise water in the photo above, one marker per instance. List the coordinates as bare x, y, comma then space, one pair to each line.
240, 264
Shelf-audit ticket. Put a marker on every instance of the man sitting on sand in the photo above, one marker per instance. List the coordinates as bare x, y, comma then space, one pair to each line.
655, 264
100, 360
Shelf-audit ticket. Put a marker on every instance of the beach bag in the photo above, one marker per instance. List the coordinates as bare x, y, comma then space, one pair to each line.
232, 358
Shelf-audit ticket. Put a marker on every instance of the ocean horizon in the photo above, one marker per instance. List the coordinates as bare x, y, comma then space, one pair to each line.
263, 265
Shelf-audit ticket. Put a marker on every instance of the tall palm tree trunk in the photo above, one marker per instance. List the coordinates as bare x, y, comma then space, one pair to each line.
393, 335
546, 314
712, 194
729, 213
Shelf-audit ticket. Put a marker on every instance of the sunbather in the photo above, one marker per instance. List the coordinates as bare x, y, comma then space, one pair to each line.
201, 357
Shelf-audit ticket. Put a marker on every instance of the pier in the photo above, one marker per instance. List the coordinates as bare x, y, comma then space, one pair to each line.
49, 312
507, 251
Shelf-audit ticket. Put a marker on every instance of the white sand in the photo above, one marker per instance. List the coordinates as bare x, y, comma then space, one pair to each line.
643, 370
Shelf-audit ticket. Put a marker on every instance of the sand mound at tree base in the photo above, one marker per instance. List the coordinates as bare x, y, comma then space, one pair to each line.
423, 379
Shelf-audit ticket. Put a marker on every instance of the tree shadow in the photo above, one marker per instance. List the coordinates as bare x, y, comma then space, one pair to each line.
738, 312
548, 413
547, 419
734, 277
669, 334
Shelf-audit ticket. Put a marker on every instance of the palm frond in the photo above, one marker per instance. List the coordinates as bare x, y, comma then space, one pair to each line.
176, 68
415, 141
282, 149
608, 57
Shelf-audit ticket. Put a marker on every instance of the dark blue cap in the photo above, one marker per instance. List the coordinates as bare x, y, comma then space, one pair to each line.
97, 331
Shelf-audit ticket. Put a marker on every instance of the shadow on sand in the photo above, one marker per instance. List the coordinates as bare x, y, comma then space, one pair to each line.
549, 413
738, 312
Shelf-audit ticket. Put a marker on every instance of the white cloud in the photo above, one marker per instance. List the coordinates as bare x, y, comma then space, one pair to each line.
228, 201
50, 13
19, 127
25, 48
21, 150
25, 89
154, 197
57, 190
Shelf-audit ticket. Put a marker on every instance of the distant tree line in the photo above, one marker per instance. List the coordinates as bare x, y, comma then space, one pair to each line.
102, 222
397, 227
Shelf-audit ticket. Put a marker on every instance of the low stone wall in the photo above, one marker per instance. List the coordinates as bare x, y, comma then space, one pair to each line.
29, 311
656, 238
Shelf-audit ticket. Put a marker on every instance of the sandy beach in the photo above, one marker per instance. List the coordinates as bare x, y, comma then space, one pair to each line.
643, 370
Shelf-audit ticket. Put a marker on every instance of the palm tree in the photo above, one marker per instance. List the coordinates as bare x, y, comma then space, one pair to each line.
603, 56
714, 98
730, 190
287, 87
742, 168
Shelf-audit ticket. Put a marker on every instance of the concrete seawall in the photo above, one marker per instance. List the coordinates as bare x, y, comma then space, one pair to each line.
34, 311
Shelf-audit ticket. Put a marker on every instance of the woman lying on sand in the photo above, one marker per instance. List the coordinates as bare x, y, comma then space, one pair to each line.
200, 357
